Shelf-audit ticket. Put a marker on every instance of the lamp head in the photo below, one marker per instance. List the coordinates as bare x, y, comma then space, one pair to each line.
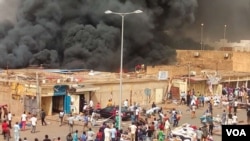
138, 11
108, 12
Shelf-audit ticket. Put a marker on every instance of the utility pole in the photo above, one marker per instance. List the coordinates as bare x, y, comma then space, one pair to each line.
38, 97
8, 84
224, 36
202, 25
189, 75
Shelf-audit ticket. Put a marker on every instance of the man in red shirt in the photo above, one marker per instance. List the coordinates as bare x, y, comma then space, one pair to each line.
5, 129
98, 106
161, 126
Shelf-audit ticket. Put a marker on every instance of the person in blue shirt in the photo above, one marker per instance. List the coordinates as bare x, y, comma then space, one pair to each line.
75, 136
83, 136
132, 118
113, 133
202, 100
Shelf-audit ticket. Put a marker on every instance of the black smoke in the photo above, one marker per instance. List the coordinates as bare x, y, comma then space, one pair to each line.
77, 33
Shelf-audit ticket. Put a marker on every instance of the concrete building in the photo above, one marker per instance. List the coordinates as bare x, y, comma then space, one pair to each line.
208, 71
54, 90
39, 89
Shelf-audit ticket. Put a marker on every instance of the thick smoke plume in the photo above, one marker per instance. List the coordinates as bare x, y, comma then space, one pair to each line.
77, 33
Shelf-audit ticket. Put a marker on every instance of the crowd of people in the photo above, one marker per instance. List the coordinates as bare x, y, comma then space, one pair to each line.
146, 124
6, 122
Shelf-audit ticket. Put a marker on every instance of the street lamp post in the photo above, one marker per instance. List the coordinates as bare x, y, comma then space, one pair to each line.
121, 63
202, 36
225, 30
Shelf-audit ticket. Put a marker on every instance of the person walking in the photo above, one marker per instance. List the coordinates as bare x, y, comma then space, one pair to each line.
90, 135
113, 133
149, 133
117, 119
235, 119
93, 118
107, 133
75, 136
71, 123
193, 111
4, 128
43, 115
91, 103
98, 106
160, 135
16, 128
69, 137
125, 104
137, 113
199, 134
23, 120
33, 121
204, 132
223, 117
153, 105
99, 135
5, 112
46, 138
166, 127
9, 117
202, 100
248, 115
101, 130
61, 115
132, 131
155, 123
176, 119
83, 136
235, 105
188, 98
211, 127
85, 122
210, 106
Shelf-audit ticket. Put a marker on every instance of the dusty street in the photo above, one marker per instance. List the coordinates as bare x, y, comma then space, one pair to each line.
53, 130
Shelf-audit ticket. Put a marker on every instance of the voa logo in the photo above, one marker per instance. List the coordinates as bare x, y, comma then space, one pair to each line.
236, 132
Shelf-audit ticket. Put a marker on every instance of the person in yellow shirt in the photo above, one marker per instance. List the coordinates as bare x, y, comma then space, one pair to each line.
109, 103
212, 101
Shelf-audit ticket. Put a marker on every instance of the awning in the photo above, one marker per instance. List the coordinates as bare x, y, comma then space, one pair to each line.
79, 90
197, 79
86, 89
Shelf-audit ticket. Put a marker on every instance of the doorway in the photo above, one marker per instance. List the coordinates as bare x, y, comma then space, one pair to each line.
57, 104
81, 102
158, 95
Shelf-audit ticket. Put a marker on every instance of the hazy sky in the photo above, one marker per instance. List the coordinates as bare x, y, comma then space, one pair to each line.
217, 13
